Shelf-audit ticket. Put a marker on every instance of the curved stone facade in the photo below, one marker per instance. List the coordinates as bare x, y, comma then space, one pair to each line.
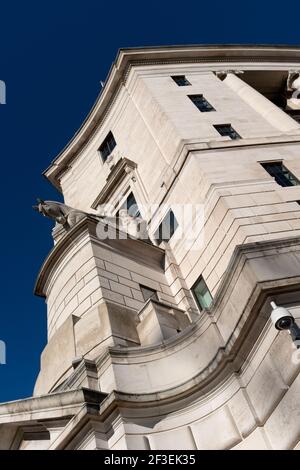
138, 356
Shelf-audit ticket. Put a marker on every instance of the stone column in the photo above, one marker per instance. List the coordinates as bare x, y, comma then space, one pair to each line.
274, 115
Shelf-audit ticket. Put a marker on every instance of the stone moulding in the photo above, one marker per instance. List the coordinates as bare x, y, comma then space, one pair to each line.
133, 248
116, 176
40, 407
128, 58
83, 405
228, 358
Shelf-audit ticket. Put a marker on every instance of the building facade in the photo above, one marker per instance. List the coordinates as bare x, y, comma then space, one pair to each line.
180, 225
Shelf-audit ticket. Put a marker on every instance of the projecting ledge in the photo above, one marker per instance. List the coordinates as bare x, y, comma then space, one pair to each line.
86, 231
219, 342
50, 406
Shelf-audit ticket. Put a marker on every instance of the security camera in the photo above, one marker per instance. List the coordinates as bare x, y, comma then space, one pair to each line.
281, 317
284, 320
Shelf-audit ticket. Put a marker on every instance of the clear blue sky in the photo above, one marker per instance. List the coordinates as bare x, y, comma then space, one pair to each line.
52, 58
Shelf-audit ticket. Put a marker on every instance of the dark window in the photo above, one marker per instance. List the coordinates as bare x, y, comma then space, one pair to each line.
202, 104
227, 130
180, 80
166, 228
281, 174
148, 293
107, 146
202, 294
130, 205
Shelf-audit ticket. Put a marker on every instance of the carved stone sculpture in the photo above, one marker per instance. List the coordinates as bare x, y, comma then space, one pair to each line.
61, 213
67, 217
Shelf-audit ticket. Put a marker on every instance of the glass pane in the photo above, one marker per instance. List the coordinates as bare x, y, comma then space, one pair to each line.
132, 206
202, 104
180, 80
202, 294
167, 228
107, 146
282, 175
227, 130
148, 293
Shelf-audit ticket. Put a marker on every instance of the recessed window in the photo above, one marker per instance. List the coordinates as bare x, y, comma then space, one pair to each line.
202, 104
181, 80
226, 130
107, 146
202, 294
166, 228
281, 174
148, 293
130, 205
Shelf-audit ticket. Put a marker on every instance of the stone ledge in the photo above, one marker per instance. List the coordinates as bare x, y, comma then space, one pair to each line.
55, 404
131, 247
246, 326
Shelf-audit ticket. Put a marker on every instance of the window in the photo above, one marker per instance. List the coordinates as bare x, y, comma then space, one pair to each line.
202, 104
166, 228
227, 130
130, 205
107, 146
180, 80
148, 293
281, 174
202, 294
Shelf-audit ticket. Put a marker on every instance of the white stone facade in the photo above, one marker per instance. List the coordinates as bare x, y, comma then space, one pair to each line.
120, 372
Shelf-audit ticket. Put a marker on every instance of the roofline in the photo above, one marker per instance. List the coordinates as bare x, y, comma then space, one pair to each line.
126, 57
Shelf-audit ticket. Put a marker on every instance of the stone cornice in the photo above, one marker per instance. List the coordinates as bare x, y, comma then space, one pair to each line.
39, 407
119, 172
128, 58
131, 247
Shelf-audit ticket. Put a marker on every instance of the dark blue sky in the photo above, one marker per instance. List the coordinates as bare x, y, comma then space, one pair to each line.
52, 58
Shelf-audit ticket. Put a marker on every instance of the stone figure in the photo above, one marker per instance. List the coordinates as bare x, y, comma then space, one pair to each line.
67, 217
62, 214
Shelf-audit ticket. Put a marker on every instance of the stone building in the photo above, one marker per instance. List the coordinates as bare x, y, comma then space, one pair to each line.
165, 341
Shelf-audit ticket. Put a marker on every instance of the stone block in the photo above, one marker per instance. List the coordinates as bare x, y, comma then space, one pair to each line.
255, 441
216, 432
175, 439
265, 389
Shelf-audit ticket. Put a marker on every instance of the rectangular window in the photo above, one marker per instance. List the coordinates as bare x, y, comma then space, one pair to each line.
107, 146
180, 80
166, 228
202, 294
201, 103
130, 205
227, 130
148, 293
281, 174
